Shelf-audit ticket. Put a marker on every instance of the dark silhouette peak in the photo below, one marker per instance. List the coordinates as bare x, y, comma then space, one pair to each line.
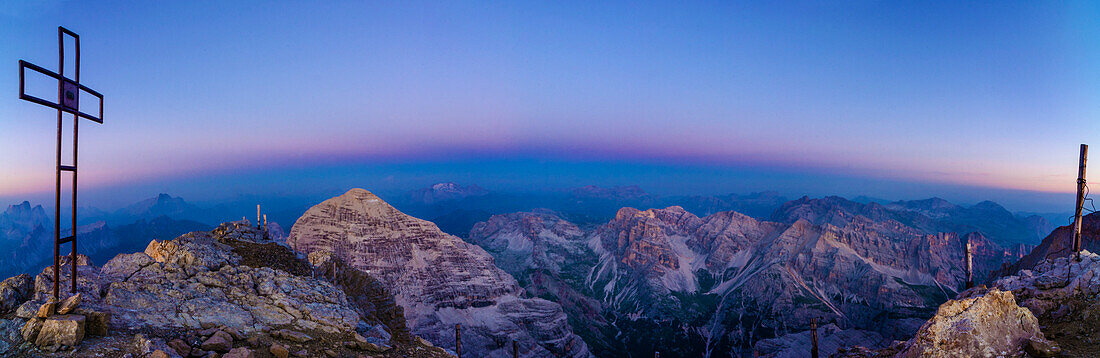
989, 205
933, 203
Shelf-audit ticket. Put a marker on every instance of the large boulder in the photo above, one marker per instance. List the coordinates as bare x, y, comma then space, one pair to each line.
10, 336
14, 291
96, 322
30, 330
984, 325
63, 330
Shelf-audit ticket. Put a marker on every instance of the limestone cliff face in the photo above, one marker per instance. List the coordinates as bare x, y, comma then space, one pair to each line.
549, 257
439, 279
734, 278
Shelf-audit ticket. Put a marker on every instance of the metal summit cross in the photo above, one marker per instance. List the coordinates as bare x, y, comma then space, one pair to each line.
68, 101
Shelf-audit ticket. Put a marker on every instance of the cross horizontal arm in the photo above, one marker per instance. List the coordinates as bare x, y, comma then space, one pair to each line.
24, 96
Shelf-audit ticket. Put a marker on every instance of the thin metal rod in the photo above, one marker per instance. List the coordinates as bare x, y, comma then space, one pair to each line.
969, 265
57, 192
1080, 202
458, 340
76, 124
813, 337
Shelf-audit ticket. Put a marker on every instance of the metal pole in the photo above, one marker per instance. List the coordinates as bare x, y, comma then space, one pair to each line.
458, 339
76, 123
72, 257
57, 192
813, 337
969, 266
57, 216
1080, 202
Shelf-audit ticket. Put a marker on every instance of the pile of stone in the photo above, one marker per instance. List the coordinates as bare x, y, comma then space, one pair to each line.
57, 326
227, 342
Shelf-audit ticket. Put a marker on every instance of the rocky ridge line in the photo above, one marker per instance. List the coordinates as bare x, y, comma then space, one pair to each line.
194, 296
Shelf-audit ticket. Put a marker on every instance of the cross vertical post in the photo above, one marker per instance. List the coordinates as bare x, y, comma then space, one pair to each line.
1080, 202
68, 101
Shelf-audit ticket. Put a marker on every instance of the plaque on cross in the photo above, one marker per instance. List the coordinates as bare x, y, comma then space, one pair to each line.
68, 101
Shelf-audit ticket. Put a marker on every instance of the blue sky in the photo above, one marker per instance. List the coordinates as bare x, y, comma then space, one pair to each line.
966, 101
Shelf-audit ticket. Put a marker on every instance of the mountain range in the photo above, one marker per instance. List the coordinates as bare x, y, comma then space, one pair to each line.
456, 208
666, 279
703, 279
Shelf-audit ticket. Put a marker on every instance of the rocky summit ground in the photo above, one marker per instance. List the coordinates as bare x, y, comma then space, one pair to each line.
1052, 310
224, 293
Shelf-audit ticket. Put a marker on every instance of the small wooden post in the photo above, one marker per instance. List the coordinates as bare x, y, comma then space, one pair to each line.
515, 349
813, 337
969, 266
1080, 202
458, 339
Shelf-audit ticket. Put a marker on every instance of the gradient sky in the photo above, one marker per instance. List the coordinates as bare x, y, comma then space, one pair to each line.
891, 99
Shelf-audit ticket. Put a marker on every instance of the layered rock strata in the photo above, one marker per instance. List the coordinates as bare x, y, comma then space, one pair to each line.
440, 280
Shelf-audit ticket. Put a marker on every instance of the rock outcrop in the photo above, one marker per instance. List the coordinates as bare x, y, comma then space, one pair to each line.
14, 291
1064, 294
1051, 310
987, 325
226, 291
439, 279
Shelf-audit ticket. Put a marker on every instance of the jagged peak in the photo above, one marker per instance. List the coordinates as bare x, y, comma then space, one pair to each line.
626, 213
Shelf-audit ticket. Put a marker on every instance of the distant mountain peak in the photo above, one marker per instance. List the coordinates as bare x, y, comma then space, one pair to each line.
628, 192
439, 279
990, 205
446, 191
162, 204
